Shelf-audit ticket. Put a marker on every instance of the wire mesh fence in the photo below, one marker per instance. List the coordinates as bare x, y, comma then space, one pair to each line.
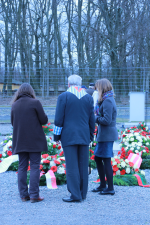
48, 83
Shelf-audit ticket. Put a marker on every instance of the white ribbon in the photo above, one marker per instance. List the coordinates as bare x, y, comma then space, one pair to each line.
4, 165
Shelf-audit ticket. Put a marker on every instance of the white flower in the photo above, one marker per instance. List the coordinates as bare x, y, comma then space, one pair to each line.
138, 147
114, 163
131, 139
118, 172
131, 148
52, 163
124, 139
136, 151
128, 170
144, 150
4, 154
49, 143
139, 144
42, 161
126, 143
123, 164
60, 170
136, 134
142, 172
127, 139
146, 128
126, 160
147, 143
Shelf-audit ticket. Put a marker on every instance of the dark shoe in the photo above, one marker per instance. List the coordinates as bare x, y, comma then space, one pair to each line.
107, 192
98, 189
70, 200
27, 198
39, 199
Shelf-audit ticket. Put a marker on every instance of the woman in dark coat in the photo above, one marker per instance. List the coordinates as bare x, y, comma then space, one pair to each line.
27, 118
107, 134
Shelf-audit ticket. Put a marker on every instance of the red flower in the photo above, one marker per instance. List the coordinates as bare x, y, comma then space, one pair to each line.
59, 147
119, 152
0, 161
45, 126
53, 156
49, 124
9, 153
54, 146
123, 135
94, 144
147, 150
91, 151
45, 156
46, 161
41, 167
117, 160
61, 153
122, 172
114, 173
50, 129
144, 128
54, 168
115, 168
0, 155
92, 157
64, 165
131, 164
136, 170
57, 162
129, 152
141, 125
28, 168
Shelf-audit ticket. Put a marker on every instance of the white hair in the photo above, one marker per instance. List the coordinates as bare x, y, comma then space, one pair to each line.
75, 80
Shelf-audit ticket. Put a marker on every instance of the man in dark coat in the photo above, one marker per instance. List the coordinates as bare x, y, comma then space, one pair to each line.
74, 126
27, 118
90, 90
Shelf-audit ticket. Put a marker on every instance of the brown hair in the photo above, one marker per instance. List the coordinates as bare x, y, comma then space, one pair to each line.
103, 85
25, 88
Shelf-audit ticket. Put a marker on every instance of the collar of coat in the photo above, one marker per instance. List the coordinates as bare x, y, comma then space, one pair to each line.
77, 91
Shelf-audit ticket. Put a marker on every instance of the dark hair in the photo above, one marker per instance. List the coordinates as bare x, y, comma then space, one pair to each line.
103, 85
25, 88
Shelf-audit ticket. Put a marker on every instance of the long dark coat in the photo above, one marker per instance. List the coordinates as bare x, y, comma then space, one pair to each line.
27, 118
74, 118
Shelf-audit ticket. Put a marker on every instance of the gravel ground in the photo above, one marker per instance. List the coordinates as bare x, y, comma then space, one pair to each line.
129, 206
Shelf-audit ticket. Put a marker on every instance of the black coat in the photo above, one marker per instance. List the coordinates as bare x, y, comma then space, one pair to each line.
107, 130
76, 119
90, 91
27, 118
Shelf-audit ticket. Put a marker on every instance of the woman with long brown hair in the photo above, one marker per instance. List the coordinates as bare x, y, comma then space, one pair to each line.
27, 118
107, 133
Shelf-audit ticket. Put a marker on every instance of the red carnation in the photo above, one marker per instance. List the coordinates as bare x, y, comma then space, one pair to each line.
92, 157
91, 151
54, 146
54, 168
0, 161
115, 168
45, 156
59, 147
136, 170
131, 164
41, 167
61, 153
117, 160
114, 173
64, 165
46, 161
123, 135
94, 144
122, 172
9, 153
141, 125
0, 155
45, 126
57, 162
28, 168
49, 124
147, 150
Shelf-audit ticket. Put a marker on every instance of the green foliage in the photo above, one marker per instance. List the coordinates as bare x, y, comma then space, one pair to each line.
127, 180
92, 163
14, 166
145, 155
60, 178
145, 164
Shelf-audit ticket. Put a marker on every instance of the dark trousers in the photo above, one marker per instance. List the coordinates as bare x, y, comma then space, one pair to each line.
104, 167
77, 161
35, 159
